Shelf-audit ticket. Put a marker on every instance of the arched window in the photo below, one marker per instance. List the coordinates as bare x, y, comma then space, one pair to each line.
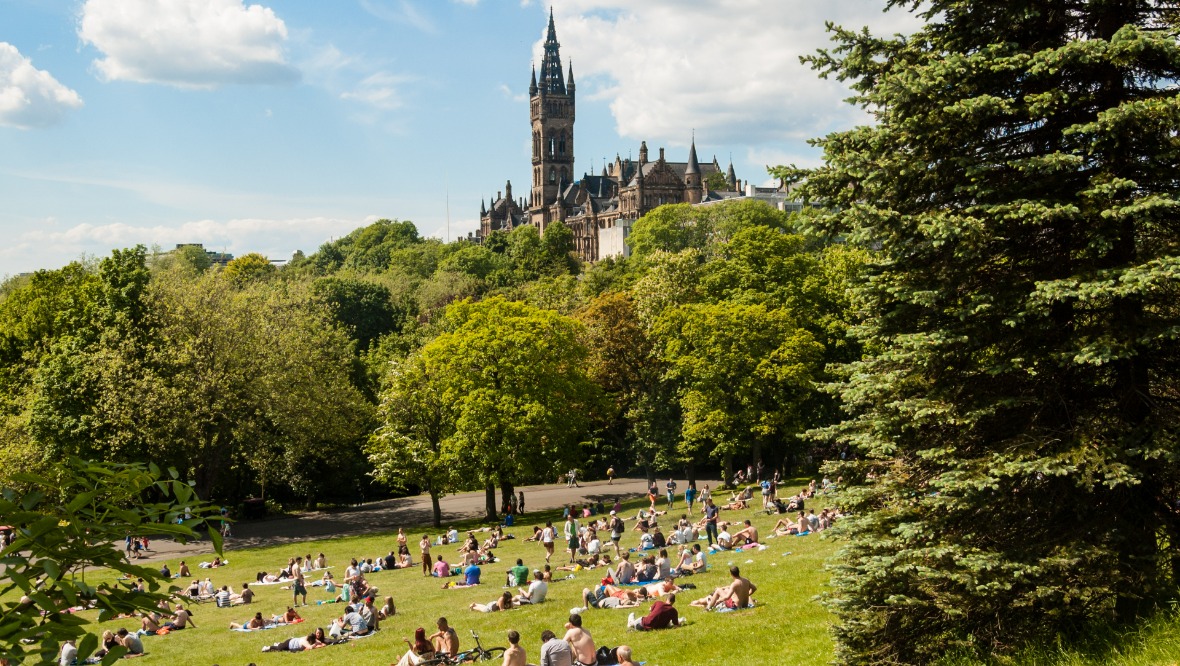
561, 144
565, 174
552, 146
552, 175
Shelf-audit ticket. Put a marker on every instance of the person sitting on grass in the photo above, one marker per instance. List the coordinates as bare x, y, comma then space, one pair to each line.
353, 622
514, 655
748, 535
181, 619
536, 592
724, 539
663, 615
733, 596
624, 571
441, 568
518, 575
388, 610
253, 623
297, 644
420, 649
149, 625
580, 641
445, 640
602, 560
246, 596
503, 603
623, 653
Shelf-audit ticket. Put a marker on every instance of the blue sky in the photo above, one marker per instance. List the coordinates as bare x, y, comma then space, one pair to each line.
276, 126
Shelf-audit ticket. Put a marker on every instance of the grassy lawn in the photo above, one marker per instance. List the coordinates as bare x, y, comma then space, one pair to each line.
787, 627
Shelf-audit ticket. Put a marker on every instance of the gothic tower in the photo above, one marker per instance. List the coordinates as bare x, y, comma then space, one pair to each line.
551, 108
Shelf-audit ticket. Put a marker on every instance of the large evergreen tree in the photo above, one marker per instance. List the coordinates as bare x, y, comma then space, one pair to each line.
1016, 420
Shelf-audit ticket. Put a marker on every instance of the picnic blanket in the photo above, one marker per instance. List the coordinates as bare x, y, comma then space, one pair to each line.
726, 609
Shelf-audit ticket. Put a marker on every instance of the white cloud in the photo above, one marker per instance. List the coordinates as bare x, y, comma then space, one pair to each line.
187, 43
275, 238
30, 97
378, 91
404, 13
729, 69
515, 97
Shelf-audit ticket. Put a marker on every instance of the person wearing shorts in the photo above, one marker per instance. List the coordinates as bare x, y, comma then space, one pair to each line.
616, 530
547, 536
690, 495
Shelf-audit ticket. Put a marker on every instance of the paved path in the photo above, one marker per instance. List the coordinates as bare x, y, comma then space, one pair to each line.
388, 515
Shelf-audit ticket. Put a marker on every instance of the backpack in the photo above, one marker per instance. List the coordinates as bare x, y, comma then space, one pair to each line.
607, 656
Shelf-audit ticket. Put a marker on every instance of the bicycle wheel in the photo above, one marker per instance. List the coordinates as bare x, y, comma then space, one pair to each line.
492, 654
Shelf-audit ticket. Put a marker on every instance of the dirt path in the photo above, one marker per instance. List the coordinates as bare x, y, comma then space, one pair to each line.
388, 515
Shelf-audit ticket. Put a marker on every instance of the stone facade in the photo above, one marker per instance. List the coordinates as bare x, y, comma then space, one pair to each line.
598, 209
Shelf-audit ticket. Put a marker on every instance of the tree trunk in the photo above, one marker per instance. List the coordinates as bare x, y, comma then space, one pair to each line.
690, 472
727, 465
507, 493
434, 505
490, 501
650, 472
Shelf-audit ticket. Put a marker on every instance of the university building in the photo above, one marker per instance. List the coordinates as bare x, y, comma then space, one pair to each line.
598, 208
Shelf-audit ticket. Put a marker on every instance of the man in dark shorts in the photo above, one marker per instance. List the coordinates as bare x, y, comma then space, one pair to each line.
616, 530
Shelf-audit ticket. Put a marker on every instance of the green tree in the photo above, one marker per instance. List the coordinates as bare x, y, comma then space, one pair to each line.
249, 267
743, 375
1018, 183
70, 520
194, 257
514, 376
410, 448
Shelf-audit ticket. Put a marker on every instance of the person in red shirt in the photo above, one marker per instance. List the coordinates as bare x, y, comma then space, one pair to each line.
663, 615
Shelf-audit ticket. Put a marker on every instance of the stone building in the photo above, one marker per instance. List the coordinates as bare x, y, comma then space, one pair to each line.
598, 208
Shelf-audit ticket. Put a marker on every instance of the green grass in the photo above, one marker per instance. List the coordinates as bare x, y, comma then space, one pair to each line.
787, 627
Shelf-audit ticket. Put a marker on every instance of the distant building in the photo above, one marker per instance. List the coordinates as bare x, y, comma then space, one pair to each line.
599, 209
217, 258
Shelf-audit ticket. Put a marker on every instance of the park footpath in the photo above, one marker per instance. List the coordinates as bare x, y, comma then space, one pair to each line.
388, 515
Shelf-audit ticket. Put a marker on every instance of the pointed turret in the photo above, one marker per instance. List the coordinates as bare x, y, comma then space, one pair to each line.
533, 82
731, 177
694, 167
483, 210
570, 83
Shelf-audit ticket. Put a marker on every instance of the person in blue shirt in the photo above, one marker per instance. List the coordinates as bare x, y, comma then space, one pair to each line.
471, 575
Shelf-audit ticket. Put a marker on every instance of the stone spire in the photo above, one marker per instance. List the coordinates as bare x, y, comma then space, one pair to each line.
552, 80
533, 83
693, 165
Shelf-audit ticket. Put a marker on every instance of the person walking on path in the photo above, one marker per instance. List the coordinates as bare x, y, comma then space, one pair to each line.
690, 495
520, 503
671, 486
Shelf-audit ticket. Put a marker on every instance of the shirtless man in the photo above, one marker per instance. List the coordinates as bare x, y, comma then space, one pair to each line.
182, 619
745, 536
514, 655
445, 640
624, 654
580, 642
255, 622
735, 595
625, 571
150, 623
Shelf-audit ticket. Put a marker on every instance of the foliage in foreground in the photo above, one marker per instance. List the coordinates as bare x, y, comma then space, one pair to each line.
72, 520
1017, 419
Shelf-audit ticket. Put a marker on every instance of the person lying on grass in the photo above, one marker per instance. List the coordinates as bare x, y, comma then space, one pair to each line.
735, 595
602, 560
608, 596
252, 624
503, 603
289, 617
663, 615
297, 644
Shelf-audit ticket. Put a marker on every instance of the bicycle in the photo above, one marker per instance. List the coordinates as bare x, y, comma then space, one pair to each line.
479, 653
